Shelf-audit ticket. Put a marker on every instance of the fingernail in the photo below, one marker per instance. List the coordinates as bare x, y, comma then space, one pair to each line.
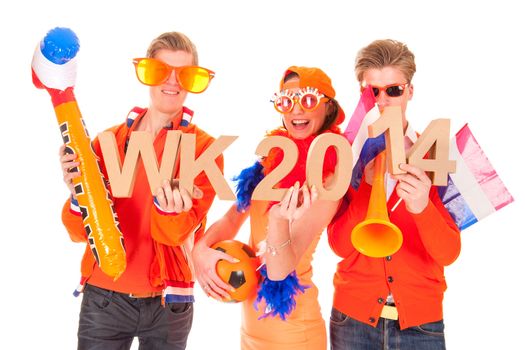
236, 260
232, 289
314, 189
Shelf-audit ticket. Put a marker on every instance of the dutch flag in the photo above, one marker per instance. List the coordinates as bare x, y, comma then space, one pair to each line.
475, 190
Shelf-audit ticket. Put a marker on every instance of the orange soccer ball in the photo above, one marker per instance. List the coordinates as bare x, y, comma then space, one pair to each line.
243, 275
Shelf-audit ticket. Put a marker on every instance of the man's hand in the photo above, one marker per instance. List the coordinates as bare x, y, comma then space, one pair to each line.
413, 188
67, 162
174, 199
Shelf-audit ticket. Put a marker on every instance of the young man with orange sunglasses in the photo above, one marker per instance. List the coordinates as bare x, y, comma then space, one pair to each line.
393, 302
153, 298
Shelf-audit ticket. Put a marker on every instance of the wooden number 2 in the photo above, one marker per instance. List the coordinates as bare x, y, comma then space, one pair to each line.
265, 190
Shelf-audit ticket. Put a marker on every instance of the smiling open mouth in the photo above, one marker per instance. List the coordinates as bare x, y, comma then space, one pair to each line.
300, 122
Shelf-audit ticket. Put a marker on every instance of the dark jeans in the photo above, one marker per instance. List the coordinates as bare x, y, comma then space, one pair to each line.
349, 334
110, 320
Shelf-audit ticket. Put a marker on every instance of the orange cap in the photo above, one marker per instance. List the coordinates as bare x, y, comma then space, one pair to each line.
316, 78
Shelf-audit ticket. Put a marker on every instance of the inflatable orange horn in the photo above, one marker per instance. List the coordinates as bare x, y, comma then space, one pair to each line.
376, 236
54, 69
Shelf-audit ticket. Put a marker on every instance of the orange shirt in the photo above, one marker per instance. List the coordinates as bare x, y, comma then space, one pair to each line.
414, 274
157, 244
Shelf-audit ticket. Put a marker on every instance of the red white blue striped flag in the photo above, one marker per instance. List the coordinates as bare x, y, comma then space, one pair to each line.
475, 190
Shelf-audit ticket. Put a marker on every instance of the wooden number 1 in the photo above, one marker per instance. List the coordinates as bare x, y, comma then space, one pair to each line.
391, 123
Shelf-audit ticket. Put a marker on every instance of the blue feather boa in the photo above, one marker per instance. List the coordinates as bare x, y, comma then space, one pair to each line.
247, 180
279, 296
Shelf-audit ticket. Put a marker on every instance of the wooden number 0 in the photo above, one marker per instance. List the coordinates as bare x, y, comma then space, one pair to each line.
338, 185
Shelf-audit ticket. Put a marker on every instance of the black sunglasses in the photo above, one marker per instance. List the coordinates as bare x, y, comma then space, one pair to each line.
392, 90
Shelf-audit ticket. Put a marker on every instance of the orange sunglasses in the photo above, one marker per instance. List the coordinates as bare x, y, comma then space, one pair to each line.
153, 72
308, 98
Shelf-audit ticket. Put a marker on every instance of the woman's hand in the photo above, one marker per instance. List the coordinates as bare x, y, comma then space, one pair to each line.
205, 260
295, 203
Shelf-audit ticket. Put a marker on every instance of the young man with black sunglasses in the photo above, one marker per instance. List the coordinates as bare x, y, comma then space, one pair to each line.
392, 302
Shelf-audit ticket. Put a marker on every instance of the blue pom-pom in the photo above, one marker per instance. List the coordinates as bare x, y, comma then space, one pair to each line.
60, 45
247, 180
279, 296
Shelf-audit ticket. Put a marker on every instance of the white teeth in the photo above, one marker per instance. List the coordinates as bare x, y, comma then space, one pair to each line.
300, 122
170, 92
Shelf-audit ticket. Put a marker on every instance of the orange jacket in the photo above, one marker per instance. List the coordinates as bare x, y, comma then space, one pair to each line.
414, 274
158, 244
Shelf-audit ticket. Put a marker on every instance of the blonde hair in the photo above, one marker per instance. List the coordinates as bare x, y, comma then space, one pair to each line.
383, 53
173, 41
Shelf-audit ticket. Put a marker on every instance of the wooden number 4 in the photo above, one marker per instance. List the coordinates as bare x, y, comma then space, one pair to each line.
435, 142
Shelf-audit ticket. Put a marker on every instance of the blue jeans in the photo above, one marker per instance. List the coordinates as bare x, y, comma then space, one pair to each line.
110, 320
349, 334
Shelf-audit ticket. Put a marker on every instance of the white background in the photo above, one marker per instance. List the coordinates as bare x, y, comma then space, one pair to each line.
469, 68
